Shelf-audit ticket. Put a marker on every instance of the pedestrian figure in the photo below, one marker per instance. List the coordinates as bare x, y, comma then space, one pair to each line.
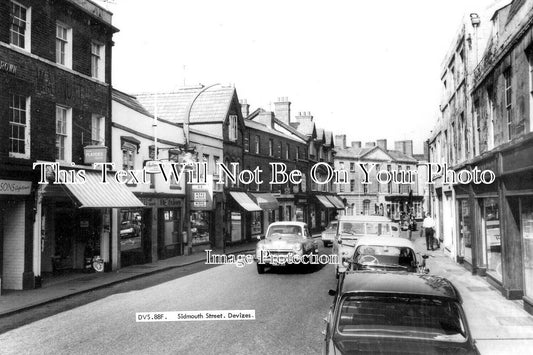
429, 229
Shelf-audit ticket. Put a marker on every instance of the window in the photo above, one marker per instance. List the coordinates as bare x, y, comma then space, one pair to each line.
19, 127
366, 207
19, 32
352, 185
490, 119
389, 186
98, 130
64, 45
365, 189
530, 60
454, 141
352, 166
508, 99
233, 134
97, 61
270, 147
280, 150
297, 153
257, 144
287, 154
247, 142
63, 133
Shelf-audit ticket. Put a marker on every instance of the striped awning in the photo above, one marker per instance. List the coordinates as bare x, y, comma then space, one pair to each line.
93, 193
324, 201
336, 202
266, 201
245, 201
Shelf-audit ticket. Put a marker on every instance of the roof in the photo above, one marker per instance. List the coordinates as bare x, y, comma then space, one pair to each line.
401, 283
306, 127
397, 155
364, 218
130, 101
290, 129
329, 138
352, 152
262, 127
206, 104
290, 223
386, 241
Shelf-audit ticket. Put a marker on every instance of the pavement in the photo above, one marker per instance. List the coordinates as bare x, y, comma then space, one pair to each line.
73, 284
499, 325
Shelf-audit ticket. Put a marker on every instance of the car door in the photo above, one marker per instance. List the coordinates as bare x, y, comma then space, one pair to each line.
311, 244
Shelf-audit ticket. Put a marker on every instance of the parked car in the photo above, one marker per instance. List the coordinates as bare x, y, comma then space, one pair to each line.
328, 235
385, 254
352, 228
396, 313
283, 242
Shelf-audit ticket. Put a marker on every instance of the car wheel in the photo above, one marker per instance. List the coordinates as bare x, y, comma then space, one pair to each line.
260, 268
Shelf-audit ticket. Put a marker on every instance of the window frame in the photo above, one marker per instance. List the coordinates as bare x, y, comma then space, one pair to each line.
66, 135
98, 130
27, 26
66, 61
26, 126
508, 94
98, 65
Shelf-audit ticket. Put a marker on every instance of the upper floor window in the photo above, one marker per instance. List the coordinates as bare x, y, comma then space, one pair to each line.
297, 153
508, 101
287, 152
63, 133
19, 32
64, 45
256, 144
19, 127
98, 130
98, 61
247, 142
233, 127
271, 147
352, 166
352, 185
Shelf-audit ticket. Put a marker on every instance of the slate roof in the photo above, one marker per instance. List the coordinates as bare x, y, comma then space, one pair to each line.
261, 127
290, 129
329, 138
357, 153
399, 156
306, 127
130, 101
209, 104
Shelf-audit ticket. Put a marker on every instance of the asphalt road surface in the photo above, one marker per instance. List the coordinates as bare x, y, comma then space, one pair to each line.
289, 307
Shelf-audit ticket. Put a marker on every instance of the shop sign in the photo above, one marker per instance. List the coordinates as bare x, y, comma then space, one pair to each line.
8, 67
301, 201
95, 154
201, 196
160, 202
14, 187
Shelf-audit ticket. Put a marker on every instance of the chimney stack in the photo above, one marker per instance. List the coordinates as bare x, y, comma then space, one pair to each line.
340, 141
282, 109
266, 118
356, 144
382, 143
245, 108
370, 144
406, 147
304, 116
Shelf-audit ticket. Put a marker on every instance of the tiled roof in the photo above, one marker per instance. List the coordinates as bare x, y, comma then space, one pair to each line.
306, 127
264, 128
130, 101
397, 155
208, 104
351, 152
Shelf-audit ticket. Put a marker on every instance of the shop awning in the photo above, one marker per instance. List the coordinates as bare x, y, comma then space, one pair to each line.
245, 201
93, 193
336, 202
324, 201
266, 201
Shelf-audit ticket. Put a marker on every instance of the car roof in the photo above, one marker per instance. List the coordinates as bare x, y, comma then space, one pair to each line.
290, 223
364, 218
398, 282
385, 240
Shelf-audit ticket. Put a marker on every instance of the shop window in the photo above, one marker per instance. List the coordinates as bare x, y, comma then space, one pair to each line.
19, 127
465, 235
98, 61
20, 29
64, 45
235, 227
256, 225
63, 133
491, 229
200, 227
527, 235
130, 231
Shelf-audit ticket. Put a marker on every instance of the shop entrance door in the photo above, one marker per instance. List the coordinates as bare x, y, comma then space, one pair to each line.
62, 258
527, 237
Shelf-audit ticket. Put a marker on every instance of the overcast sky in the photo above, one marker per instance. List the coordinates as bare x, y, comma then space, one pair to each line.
368, 69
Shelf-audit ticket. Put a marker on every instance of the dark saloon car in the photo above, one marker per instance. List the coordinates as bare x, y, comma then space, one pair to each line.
396, 313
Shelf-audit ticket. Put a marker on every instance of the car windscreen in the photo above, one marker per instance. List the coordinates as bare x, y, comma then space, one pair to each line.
284, 230
332, 226
376, 255
364, 228
401, 316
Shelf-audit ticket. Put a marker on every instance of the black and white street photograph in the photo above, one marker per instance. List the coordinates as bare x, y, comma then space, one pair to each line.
266, 177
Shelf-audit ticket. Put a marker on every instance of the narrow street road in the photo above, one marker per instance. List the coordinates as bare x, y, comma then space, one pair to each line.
289, 307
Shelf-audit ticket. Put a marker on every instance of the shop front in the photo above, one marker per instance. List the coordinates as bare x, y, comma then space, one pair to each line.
324, 212
16, 204
302, 210
74, 222
270, 206
245, 217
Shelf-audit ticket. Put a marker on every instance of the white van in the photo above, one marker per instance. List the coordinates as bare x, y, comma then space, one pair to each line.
351, 228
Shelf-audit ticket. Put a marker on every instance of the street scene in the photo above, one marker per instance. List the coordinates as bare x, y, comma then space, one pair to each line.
158, 196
